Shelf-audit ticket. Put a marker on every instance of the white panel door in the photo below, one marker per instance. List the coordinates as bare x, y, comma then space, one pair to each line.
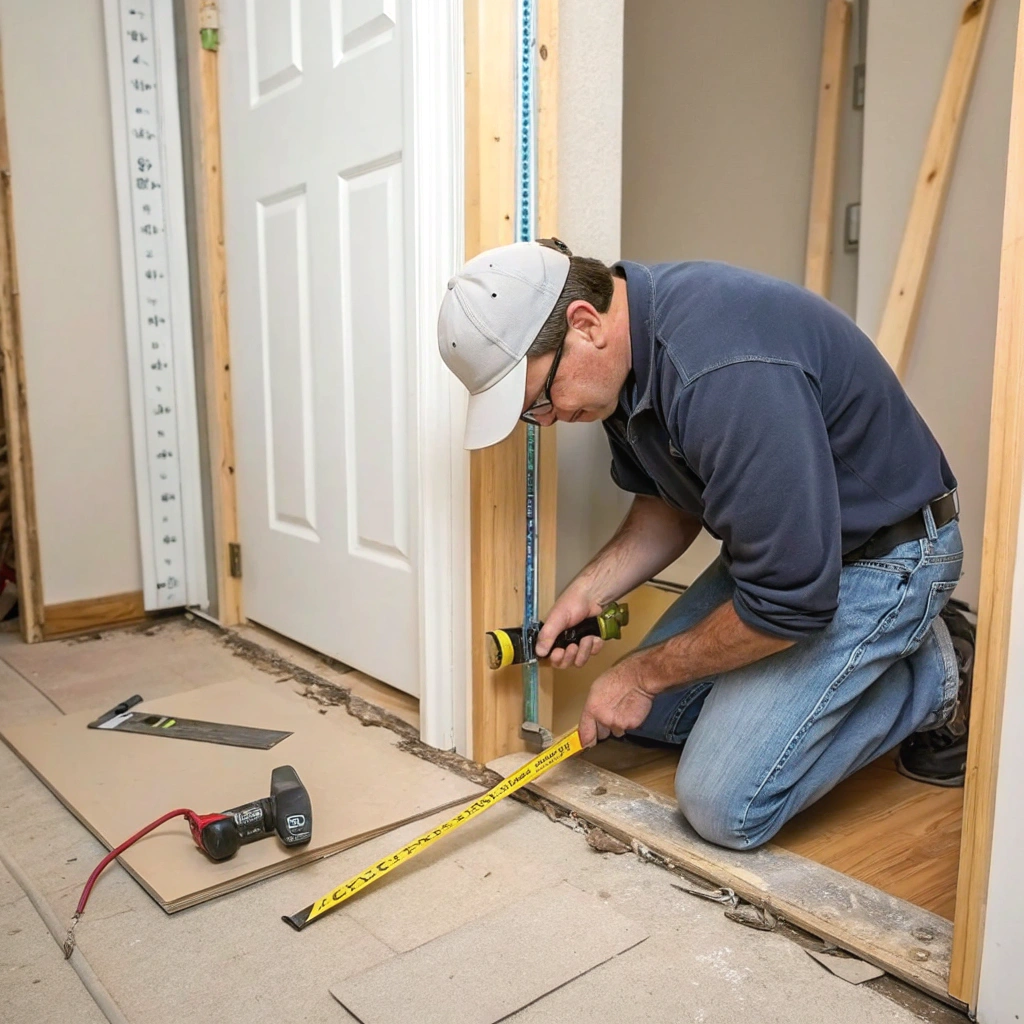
315, 133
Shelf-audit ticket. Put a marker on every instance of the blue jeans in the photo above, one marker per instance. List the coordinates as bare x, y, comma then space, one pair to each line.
764, 741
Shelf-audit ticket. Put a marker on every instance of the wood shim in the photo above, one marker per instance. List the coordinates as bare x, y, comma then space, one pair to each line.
360, 784
998, 558
899, 320
853, 915
818, 269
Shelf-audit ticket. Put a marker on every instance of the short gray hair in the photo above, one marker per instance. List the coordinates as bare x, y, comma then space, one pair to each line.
589, 280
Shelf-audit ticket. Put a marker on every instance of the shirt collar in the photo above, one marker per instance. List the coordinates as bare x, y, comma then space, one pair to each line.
640, 299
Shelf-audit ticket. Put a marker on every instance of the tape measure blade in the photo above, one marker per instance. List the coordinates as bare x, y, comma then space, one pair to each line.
298, 921
560, 750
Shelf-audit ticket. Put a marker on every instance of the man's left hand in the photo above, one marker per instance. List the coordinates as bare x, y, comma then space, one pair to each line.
617, 701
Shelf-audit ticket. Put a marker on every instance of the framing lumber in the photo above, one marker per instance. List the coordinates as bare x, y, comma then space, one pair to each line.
94, 613
899, 320
15, 409
497, 475
207, 196
907, 941
998, 562
818, 268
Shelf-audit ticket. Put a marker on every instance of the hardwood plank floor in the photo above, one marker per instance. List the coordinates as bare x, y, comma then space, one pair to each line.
896, 834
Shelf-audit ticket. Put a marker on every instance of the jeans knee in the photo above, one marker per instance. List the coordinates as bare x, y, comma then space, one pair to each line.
711, 814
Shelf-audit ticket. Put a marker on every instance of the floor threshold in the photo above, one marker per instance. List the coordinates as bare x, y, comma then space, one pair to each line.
905, 940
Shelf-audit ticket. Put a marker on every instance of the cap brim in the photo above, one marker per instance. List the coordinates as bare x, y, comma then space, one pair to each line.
493, 413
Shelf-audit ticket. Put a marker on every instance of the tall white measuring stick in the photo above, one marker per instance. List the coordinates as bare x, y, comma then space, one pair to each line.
154, 259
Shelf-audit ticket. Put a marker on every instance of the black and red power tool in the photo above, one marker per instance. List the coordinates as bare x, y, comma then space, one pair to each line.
287, 812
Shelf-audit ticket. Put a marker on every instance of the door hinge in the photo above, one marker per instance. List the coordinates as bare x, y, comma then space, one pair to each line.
235, 560
859, 85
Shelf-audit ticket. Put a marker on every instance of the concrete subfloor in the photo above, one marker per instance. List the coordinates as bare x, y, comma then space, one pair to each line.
232, 959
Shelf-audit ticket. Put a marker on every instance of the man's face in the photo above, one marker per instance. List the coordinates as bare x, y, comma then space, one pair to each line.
586, 383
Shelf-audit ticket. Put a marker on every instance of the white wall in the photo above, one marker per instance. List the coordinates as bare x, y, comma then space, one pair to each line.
949, 377
590, 506
58, 121
1001, 995
1001, 999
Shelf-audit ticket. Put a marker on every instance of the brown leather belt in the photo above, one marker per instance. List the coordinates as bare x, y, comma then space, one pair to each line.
944, 510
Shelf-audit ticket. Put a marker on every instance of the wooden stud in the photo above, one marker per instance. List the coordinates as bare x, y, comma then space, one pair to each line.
899, 319
818, 269
547, 227
497, 474
204, 94
998, 561
19, 446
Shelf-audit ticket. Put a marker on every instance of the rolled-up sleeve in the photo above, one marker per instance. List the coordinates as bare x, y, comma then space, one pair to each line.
754, 433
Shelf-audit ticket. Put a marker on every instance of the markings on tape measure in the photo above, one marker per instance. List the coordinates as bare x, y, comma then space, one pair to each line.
525, 227
559, 751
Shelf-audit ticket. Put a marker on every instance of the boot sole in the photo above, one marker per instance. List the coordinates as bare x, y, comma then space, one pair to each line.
953, 782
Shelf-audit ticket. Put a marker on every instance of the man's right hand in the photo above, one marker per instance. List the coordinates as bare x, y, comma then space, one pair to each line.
572, 607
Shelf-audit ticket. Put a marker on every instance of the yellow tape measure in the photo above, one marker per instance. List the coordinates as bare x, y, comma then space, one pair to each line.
555, 754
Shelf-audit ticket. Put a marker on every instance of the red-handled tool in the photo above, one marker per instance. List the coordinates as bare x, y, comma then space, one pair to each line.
286, 812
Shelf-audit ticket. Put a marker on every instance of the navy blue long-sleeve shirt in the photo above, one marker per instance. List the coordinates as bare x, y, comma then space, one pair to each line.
765, 412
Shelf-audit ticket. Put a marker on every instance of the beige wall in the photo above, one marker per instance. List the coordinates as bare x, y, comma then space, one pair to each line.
590, 506
55, 84
719, 117
950, 373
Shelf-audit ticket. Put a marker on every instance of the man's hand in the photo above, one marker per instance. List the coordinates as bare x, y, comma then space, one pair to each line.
617, 701
621, 698
575, 605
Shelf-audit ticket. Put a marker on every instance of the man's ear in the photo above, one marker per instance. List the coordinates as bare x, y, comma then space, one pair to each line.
583, 317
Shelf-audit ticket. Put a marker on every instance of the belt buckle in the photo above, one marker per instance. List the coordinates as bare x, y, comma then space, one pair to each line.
955, 495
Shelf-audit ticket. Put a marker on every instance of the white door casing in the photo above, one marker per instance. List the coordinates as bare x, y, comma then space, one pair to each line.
332, 300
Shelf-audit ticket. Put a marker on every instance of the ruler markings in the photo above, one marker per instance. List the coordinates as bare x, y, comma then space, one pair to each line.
146, 178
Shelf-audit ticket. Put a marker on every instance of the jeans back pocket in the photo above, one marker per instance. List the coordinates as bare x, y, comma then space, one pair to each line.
938, 595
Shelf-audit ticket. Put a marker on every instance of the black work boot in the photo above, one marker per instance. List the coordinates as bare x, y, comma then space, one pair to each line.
939, 756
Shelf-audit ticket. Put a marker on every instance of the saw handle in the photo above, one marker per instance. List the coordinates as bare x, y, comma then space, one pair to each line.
505, 646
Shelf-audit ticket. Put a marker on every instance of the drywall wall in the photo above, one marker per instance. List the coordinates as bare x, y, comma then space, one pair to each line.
1001, 993
590, 506
718, 136
949, 376
58, 122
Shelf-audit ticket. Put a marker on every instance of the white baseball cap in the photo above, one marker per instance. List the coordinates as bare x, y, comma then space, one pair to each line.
490, 316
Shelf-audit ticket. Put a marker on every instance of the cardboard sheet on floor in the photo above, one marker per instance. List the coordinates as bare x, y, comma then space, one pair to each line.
360, 784
493, 966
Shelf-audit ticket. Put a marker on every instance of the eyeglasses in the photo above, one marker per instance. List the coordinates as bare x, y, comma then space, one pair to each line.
543, 405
